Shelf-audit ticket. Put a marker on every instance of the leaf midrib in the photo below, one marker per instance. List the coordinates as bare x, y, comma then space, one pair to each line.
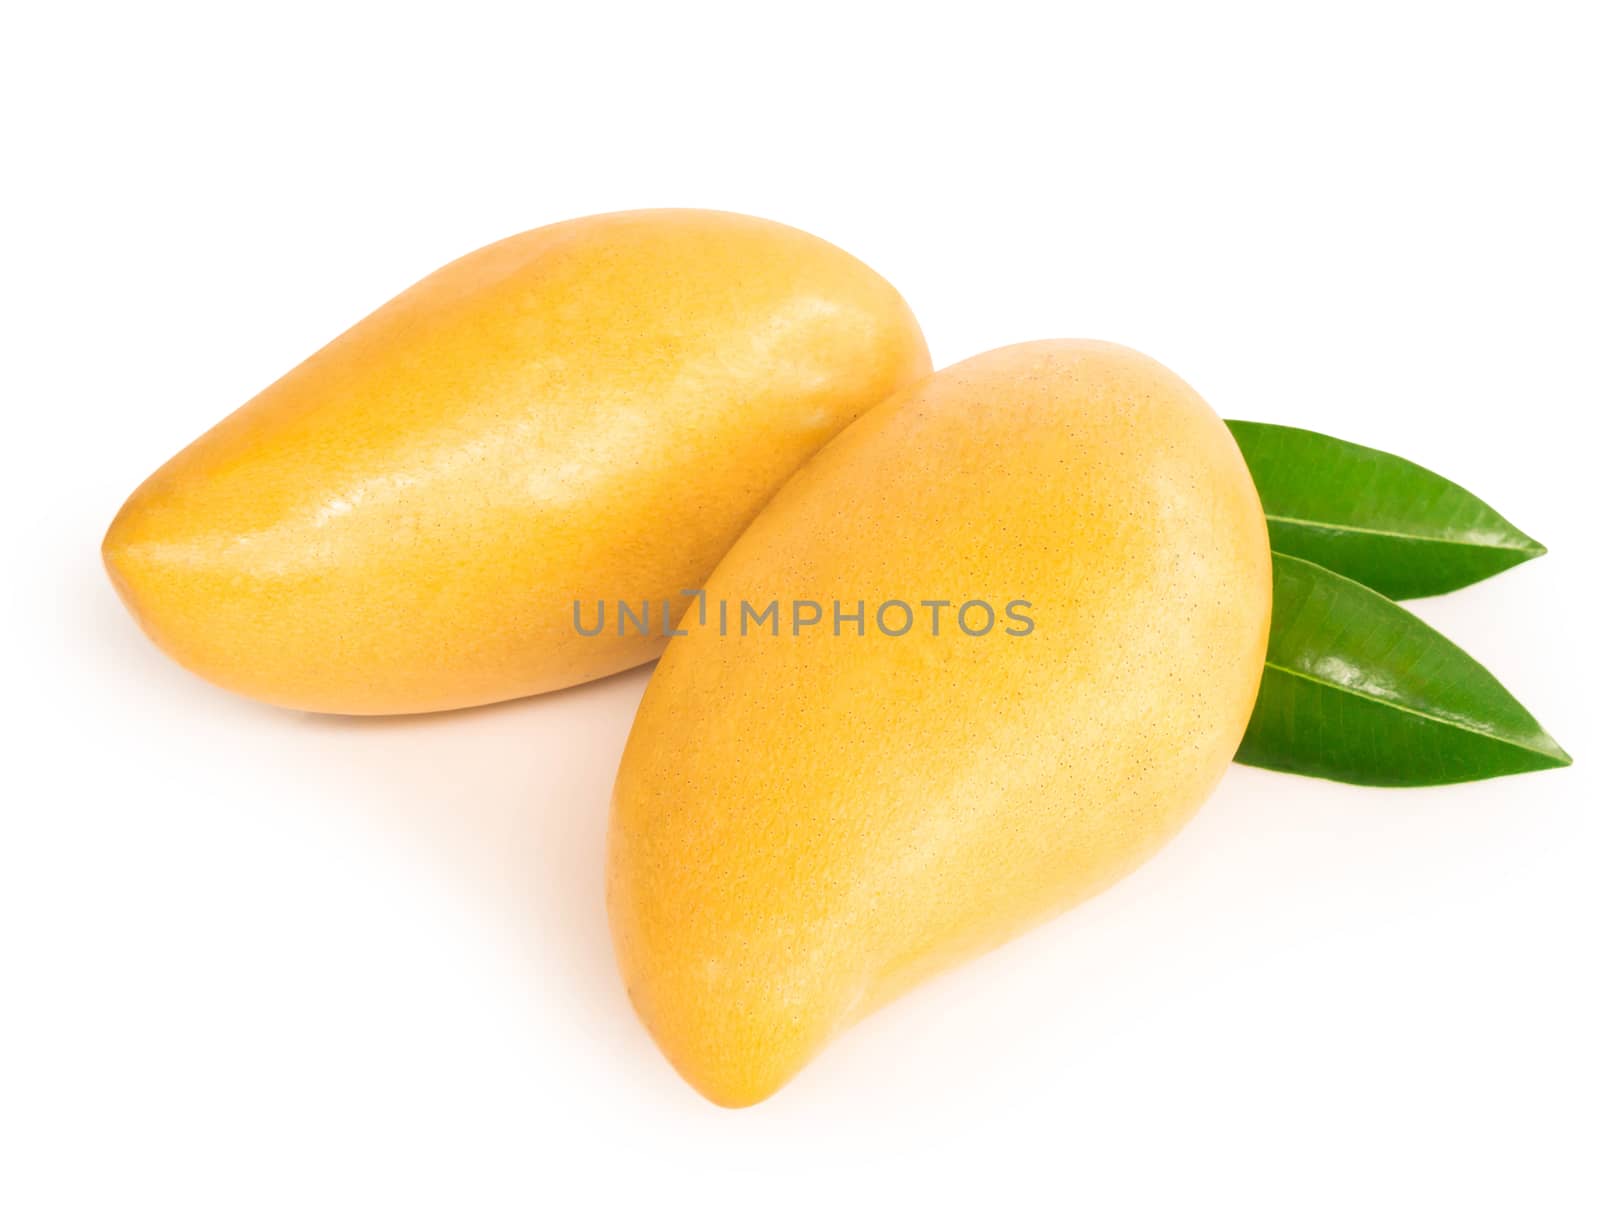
1394, 706
1526, 550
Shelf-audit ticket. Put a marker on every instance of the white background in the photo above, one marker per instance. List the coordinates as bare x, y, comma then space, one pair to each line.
263, 967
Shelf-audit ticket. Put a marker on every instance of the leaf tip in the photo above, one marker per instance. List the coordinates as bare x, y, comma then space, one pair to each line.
1554, 756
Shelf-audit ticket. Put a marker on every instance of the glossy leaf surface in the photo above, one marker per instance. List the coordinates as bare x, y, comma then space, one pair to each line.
1384, 521
1360, 690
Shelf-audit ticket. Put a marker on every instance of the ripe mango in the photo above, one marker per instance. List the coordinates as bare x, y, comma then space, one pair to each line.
808, 822
588, 412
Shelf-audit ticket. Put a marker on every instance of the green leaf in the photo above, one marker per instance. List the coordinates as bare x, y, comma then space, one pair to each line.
1384, 521
1360, 690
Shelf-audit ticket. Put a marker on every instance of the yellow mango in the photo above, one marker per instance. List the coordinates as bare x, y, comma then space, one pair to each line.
812, 816
587, 412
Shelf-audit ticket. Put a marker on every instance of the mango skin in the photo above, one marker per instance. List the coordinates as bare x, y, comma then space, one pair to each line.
589, 411
805, 826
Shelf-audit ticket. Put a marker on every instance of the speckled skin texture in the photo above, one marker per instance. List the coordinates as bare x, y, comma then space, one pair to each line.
805, 826
590, 411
